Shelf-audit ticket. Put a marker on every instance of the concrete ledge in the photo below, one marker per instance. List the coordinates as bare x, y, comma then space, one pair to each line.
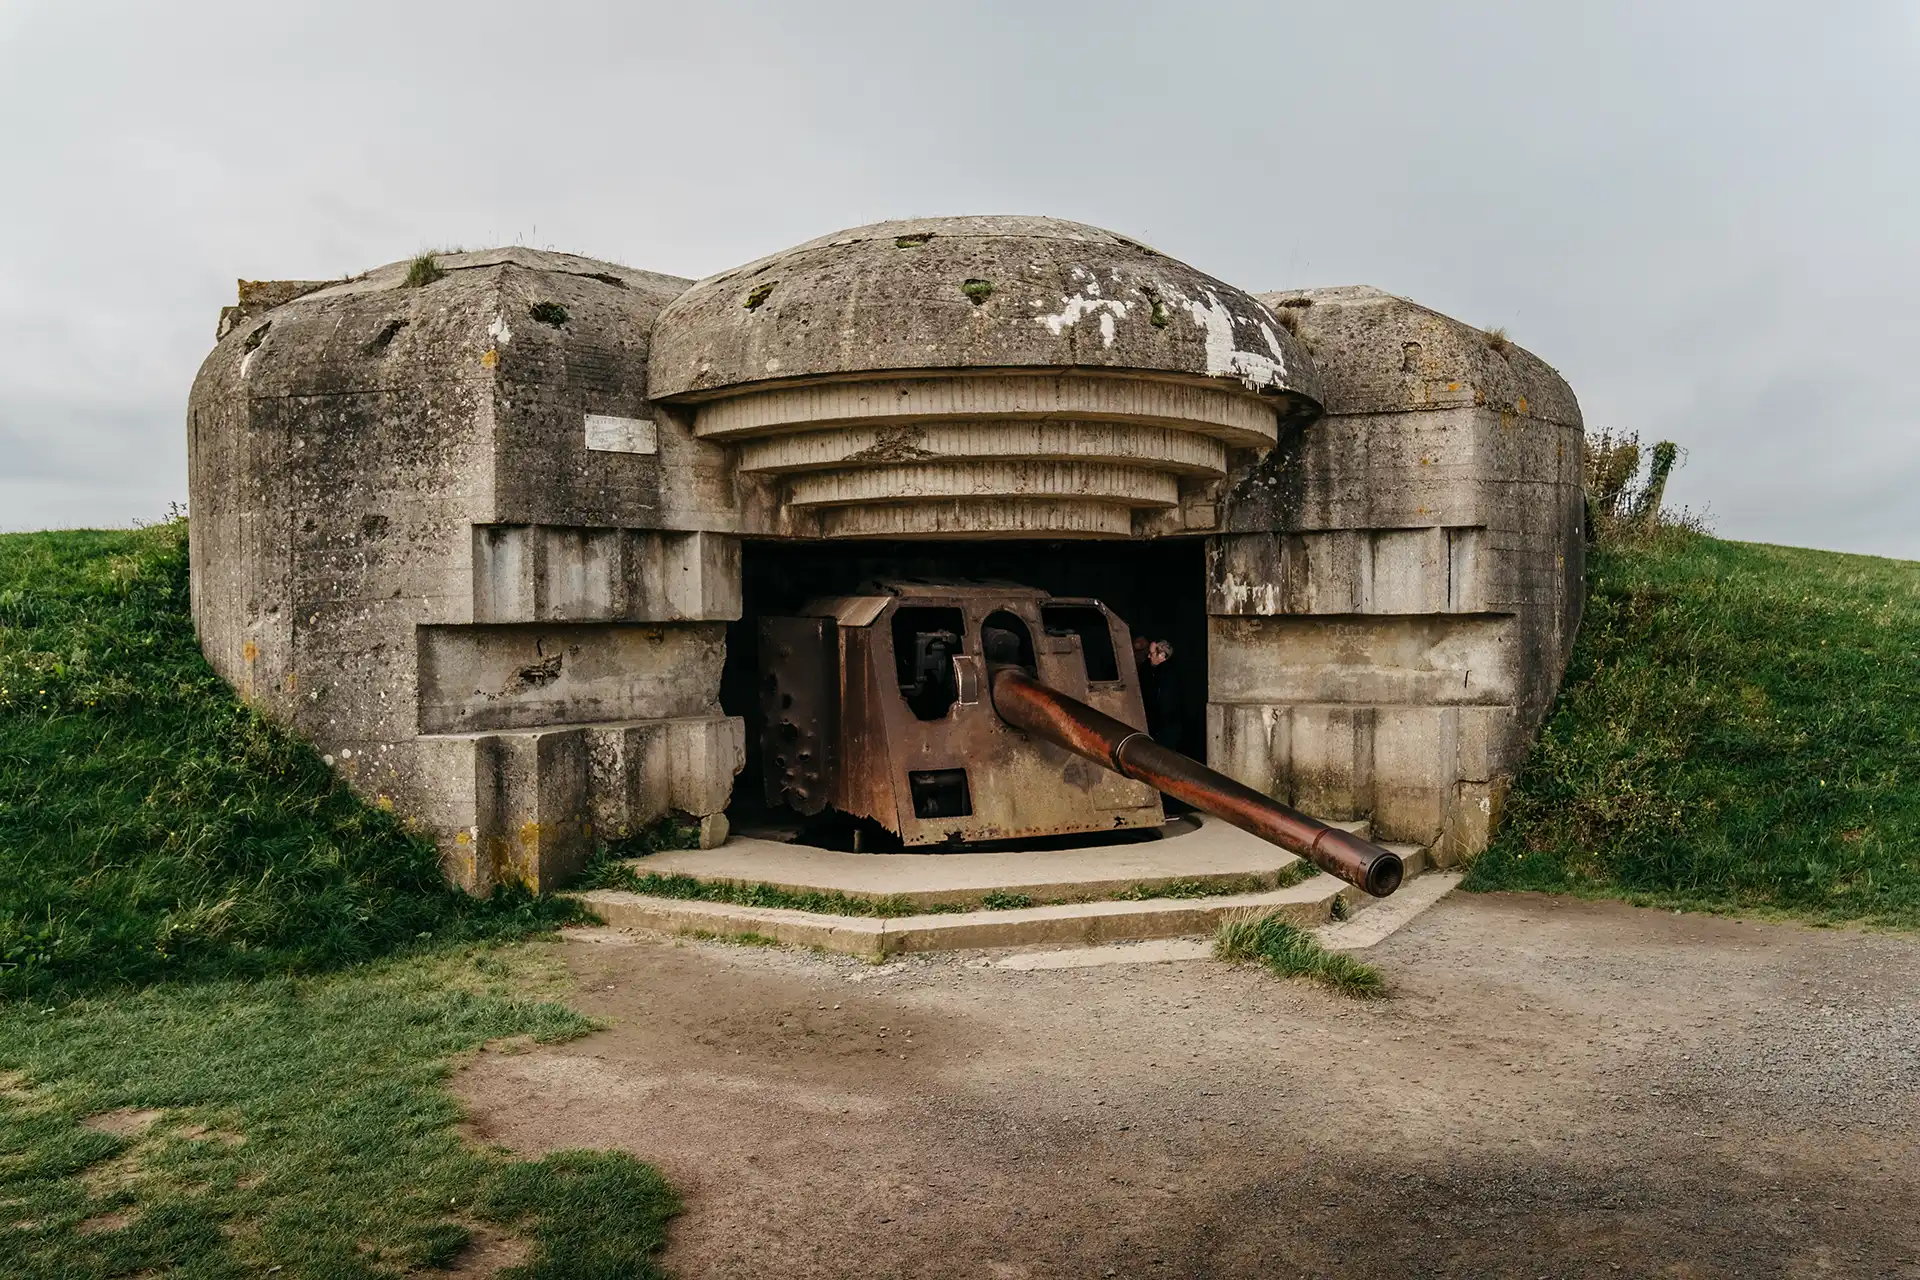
854, 935
1066, 924
1220, 857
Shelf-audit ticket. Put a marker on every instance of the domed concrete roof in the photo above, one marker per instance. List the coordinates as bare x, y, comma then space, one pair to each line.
973, 293
1379, 353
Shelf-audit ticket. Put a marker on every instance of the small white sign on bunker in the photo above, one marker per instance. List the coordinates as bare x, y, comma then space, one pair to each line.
608, 434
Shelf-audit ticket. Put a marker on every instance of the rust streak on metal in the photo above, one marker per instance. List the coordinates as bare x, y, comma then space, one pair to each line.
1048, 714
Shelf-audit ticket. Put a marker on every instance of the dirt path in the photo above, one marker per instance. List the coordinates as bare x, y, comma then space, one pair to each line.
1556, 1089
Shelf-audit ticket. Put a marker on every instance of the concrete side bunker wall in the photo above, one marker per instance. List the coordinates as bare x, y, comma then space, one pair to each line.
438, 529
1395, 595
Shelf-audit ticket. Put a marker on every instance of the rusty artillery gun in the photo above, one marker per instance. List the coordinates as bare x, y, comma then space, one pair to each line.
953, 713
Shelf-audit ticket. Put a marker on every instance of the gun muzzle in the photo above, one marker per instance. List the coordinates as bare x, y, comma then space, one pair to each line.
1046, 713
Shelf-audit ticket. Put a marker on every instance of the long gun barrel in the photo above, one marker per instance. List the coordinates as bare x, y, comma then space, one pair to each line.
1046, 713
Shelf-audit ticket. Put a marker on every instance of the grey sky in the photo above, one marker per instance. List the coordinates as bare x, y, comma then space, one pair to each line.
1704, 215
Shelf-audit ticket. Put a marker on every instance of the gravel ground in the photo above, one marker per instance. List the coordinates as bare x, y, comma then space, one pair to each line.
1555, 1088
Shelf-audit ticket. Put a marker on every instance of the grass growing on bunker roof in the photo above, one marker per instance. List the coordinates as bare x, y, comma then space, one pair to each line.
1292, 952
1739, 729
151, 825
423, 271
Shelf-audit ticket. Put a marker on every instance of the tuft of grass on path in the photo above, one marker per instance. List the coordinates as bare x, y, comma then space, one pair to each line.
1739, 730
1292, 952
298, 1127
151, 825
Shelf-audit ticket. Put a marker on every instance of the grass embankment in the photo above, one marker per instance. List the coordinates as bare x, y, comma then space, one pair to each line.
1739, 730
207, 1067
151, 825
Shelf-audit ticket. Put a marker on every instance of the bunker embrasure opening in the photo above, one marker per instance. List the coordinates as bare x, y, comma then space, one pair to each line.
900, 641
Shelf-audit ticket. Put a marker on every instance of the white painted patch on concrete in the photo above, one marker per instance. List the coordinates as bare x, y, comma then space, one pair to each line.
1256, 372
1273, 341
1385, 918
608, 434
499, 330
1081, 305
1242, 592
1270, 721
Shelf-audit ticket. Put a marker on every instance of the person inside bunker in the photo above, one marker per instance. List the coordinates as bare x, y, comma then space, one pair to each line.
1160, 691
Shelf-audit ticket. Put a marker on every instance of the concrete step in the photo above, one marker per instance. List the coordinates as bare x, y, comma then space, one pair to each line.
1375, 924
1385, 917
1196, 852
1064, 924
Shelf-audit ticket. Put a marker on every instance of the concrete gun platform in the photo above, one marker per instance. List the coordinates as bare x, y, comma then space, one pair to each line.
1182, 884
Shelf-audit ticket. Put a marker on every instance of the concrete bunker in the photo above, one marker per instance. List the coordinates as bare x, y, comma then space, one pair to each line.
499, 538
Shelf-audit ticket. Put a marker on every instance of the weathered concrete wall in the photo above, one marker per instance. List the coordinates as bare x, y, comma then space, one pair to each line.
441, 532
1395, 590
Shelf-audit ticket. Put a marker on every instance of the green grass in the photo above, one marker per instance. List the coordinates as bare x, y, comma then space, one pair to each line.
671, 831
608, 872
423, 271
1292, 952
151, 825
1201, 888
303, 1127
198, 919
1739, 731
1297, 872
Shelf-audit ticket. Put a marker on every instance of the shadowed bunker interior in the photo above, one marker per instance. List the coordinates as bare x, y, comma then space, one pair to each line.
1158, 588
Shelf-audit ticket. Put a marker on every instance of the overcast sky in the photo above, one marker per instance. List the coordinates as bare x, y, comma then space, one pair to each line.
1704, 215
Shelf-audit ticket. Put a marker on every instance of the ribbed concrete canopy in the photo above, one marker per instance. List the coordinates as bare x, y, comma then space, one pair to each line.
995, 376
